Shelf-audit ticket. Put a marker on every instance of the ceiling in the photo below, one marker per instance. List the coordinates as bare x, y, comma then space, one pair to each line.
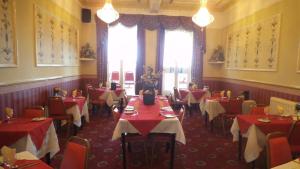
155, 6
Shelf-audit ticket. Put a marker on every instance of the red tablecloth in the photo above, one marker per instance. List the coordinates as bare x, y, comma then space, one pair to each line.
70, 101
148, 115
198, 93
40, 164
17, 128
277, 123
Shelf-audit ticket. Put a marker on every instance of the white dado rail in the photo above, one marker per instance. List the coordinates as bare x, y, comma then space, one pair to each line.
287, 107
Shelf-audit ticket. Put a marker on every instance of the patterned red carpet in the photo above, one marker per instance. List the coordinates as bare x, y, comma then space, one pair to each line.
203, 149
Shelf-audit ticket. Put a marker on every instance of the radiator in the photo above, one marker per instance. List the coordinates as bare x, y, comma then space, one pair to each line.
287, 106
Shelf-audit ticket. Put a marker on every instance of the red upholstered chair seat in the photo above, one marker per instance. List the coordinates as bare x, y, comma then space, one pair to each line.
257, 110
33, 112
294, 138
64, 117
295, 148
75, 156
57, 111
280, 151
98, 102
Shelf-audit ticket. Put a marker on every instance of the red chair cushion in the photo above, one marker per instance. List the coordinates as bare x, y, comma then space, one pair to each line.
280, 151
295, 149
74, 156
32, 113
61, 117
257, 110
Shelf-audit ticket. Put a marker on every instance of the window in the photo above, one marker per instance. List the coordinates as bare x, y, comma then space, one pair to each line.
178, 51
122, 54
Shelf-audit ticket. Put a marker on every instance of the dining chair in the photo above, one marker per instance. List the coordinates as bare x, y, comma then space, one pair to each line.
127, 139
87, 87
216, 94
129, 78
115, 76
76, 92
178, 102
232, 109
278, 149
168, 139
116, 113
180, 114
96, 100
247, 106
258, 110
76, 154
32, 112
294, 138
57, 111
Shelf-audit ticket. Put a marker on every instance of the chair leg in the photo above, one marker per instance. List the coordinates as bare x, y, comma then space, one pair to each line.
152, 152
75, 130
212, 125
223, 125
146, 154
172, 151
240, 147
129, 147
206, 118
124, 151
167, 147
47, 158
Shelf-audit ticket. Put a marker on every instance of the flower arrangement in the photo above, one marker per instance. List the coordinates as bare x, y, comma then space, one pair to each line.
86, 51
218, 55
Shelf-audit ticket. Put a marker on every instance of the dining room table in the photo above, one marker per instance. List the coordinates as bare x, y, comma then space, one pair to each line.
37, 135
144, 119
194, 96
293, 164
26, 160
77, 107
110, 96
255, 128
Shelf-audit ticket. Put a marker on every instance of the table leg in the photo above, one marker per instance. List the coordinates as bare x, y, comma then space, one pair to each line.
240, 146
206, 118
253, 164
212, 125
47, 158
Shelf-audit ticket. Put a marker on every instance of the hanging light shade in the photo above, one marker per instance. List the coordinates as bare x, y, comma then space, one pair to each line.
203, 18
107, 13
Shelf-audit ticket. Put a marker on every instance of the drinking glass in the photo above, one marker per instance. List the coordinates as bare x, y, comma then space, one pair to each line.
10, 160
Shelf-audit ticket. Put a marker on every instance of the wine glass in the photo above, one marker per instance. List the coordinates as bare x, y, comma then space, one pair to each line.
10, 160
8, 113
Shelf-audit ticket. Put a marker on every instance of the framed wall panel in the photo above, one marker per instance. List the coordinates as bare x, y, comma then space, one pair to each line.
8, 43
56, 42
254, 47
298, 60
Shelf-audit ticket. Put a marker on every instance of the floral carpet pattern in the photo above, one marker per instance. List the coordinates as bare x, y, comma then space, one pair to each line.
203, 149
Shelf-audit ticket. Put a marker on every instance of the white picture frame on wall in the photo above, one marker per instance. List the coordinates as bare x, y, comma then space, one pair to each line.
56, 42
254, 47
8, 41
298, 59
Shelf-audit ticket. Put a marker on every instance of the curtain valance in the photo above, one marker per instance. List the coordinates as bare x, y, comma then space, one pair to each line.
152, 22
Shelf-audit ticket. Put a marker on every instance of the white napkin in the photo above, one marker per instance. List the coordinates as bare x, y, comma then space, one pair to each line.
167, 108
228, 94
222, 93
8, 154
9, 112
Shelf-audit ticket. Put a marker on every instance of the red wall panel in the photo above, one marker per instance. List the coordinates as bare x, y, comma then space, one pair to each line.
261, 95
32, 95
